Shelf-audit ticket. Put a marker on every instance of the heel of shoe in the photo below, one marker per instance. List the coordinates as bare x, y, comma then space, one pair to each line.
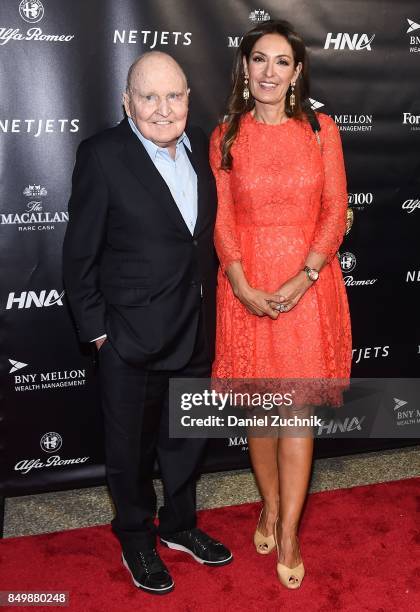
264, 545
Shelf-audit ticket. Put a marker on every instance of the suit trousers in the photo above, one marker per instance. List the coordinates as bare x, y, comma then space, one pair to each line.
135, 405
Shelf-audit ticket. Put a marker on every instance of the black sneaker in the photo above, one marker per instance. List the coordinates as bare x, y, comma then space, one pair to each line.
200, 546
148, 571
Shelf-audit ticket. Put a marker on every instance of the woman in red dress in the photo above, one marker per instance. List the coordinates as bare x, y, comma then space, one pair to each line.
282, 303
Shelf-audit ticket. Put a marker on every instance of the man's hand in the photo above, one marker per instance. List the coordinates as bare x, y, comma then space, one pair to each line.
292, 290
100, 342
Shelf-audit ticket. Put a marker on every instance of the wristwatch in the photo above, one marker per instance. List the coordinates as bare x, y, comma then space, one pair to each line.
311, 273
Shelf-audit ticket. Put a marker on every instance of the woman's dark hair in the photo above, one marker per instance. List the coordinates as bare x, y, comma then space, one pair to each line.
238, 106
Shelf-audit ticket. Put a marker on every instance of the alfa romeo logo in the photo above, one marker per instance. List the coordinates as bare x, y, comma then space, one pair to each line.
51, 442
31, 11
348, 262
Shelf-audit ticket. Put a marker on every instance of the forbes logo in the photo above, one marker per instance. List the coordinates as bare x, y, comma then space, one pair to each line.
31, 298
352, 42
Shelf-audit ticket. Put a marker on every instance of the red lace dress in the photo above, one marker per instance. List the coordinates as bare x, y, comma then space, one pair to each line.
284, 196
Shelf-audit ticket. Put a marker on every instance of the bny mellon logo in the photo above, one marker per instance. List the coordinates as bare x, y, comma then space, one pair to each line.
16, 365
412, 25
399, 403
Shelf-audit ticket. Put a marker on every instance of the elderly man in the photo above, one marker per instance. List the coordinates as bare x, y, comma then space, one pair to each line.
140, 274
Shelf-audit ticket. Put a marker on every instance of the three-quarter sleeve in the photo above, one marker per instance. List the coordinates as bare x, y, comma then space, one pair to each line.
225, 232
331, 223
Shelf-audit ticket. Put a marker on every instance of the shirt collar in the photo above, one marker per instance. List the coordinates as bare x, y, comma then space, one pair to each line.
150, 146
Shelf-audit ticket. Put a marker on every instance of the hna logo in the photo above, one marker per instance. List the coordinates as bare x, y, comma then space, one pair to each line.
353, 42
31, 298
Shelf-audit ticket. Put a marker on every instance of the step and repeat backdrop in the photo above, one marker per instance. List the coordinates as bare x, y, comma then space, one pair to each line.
62, 73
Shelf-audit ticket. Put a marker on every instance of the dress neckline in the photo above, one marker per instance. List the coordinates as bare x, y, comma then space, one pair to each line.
252, 119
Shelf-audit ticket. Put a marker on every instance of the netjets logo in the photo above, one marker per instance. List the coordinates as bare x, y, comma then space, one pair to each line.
347, 262
16, 365
152, 38
414, 39
31, 11
259, 15
27, 299
352, 42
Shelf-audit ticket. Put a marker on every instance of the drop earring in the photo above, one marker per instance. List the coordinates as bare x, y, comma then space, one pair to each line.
245, 93
292, 99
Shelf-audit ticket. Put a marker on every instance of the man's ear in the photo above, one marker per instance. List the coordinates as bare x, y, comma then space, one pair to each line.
126, 103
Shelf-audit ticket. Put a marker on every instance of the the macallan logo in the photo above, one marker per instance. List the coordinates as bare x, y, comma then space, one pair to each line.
35, 191
41, 299
259, 15
152, 38
34, 218
238, 441
352, 42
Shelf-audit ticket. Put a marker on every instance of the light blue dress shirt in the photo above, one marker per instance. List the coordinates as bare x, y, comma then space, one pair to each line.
177, 173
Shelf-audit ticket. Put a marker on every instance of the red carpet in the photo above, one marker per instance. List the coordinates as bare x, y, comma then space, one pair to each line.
360, 547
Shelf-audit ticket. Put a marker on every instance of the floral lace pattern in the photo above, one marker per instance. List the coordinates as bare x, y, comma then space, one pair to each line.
284, 197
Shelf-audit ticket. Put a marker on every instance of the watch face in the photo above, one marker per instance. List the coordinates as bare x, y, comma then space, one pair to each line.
313, 275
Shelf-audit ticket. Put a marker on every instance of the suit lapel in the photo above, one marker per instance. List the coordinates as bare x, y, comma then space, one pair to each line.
136, 158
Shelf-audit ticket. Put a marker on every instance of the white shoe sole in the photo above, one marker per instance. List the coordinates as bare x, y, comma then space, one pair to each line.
145, 588
190, 552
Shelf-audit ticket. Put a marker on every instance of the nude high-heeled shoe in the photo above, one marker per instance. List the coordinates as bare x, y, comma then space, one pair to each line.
263, 544
290, 577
